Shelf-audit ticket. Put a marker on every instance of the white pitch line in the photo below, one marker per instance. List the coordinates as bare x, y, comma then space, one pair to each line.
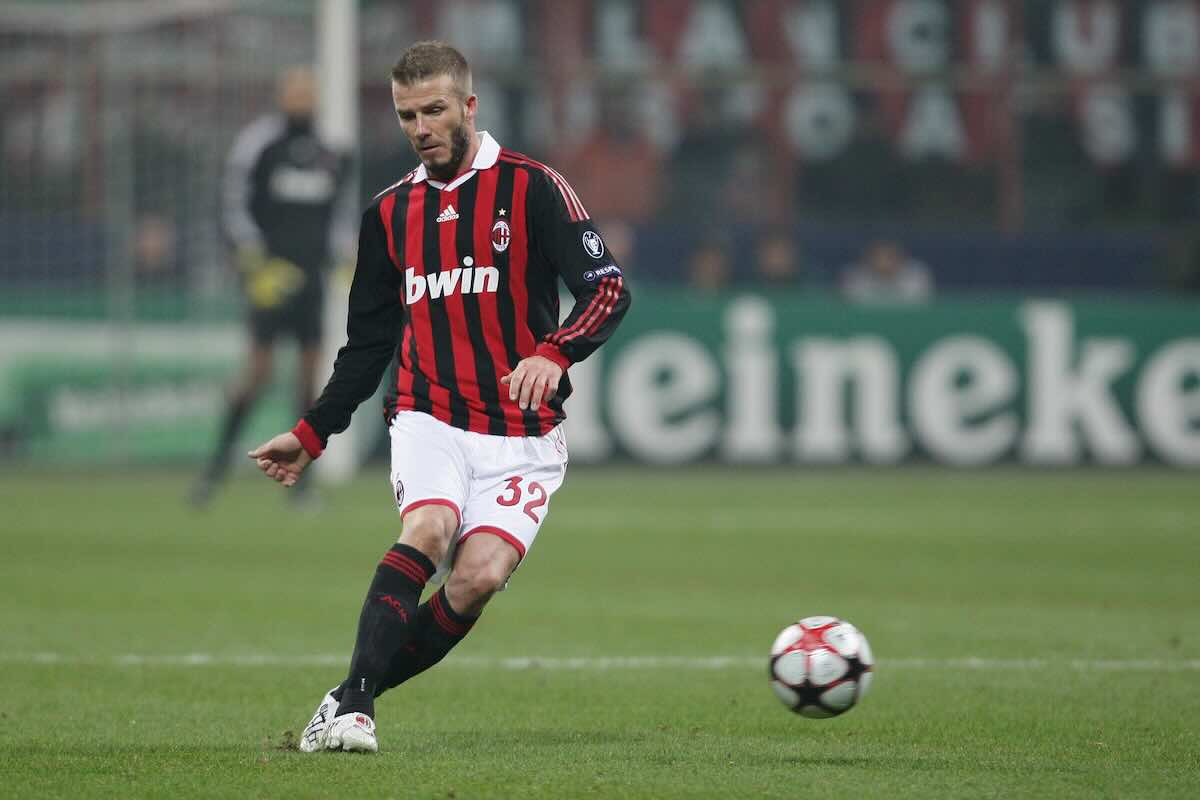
600, 663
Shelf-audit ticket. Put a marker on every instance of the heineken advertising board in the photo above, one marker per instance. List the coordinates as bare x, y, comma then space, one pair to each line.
784, 379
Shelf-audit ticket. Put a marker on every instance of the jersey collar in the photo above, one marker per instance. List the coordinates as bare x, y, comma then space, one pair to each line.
485, 158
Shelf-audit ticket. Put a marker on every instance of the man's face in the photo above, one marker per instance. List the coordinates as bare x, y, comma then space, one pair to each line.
438, 122
885, 259
777, 259
297, 92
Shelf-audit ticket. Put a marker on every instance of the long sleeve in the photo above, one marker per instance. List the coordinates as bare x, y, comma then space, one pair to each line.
242, 181
375, 317
568, 240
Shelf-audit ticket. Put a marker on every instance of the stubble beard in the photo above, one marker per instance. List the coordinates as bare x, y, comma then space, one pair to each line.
459, 142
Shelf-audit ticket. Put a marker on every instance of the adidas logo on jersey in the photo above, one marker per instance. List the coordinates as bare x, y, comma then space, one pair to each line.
448, 213
463, 280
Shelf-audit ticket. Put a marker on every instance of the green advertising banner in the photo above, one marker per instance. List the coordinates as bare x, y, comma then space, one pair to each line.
792, 379
82, 411
779, 379
69, 410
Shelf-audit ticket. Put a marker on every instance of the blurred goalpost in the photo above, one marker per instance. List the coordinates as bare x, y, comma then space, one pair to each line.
337, 120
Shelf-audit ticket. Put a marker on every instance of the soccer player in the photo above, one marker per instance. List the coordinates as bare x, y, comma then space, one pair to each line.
282, 191
457, 279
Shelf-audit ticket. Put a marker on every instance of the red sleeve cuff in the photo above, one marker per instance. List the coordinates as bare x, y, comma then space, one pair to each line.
308, 438
547, 350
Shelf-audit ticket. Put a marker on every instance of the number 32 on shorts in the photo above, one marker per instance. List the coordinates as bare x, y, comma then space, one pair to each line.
513, 493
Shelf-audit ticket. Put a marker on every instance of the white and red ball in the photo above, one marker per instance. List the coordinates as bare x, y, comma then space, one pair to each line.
821, 666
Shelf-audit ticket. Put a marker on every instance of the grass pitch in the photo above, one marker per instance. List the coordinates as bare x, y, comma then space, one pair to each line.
1037, 636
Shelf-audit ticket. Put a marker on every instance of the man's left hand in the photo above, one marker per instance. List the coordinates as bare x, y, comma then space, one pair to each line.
533, 382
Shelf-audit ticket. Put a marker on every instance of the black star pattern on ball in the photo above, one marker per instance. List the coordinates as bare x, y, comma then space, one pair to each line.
810, 695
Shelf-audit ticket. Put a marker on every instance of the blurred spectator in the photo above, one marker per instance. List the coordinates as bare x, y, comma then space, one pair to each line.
154, 258
709, 267
887, 274
616, 170
779, 261
756, 190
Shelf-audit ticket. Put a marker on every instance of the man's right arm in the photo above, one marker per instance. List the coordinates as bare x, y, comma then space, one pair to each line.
242, 183
374, 322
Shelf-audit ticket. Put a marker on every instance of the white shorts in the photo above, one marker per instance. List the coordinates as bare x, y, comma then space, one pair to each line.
494, 484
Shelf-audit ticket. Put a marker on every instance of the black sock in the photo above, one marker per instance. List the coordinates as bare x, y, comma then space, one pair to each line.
441, 629
385, 625
435, 633
235, 416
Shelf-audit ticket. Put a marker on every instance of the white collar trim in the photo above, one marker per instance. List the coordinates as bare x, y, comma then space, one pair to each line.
485, 158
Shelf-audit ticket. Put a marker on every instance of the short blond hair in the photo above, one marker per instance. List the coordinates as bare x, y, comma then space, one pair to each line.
430, 59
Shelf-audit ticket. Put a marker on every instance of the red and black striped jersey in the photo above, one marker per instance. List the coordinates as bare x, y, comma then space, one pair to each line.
456, 283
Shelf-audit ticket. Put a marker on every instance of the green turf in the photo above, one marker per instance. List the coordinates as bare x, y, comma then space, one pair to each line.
1049, 573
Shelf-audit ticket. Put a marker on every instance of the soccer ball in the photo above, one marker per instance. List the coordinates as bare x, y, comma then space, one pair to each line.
821, 666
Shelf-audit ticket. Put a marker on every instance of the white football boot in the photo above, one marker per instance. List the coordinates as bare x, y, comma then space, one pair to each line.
316, 732
353, 731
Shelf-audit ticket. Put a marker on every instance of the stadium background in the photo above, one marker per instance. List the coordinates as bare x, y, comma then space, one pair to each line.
1039, 162
1043, 151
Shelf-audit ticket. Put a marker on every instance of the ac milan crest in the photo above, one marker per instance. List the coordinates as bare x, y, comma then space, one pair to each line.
501, 235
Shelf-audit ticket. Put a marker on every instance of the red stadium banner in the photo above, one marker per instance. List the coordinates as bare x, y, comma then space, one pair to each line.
938, 79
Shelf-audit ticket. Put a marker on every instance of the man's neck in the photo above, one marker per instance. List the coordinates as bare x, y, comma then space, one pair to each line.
468, 159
